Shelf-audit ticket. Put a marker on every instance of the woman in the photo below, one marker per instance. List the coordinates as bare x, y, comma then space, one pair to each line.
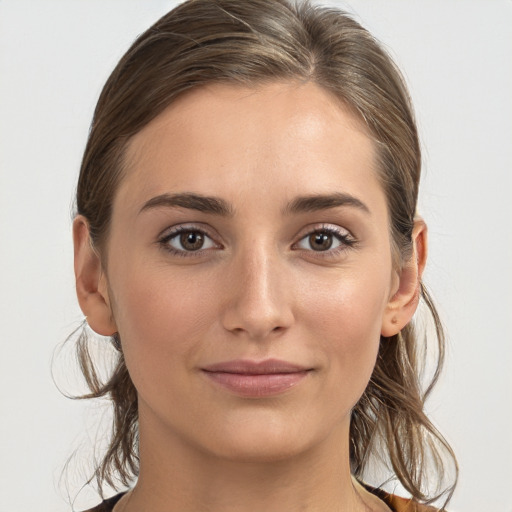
246, 234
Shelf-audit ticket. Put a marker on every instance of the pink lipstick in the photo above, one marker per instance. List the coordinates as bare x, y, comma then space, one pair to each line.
255, 379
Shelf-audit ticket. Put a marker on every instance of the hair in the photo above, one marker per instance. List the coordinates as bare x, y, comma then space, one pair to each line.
252, 43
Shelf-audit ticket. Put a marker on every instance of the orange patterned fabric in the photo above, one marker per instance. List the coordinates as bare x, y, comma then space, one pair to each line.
398, 504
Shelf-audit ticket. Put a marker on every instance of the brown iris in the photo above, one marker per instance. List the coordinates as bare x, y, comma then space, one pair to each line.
320, 241
192, 240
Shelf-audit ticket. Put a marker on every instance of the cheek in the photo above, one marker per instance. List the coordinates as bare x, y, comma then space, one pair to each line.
160, 317
153, 300
346, 315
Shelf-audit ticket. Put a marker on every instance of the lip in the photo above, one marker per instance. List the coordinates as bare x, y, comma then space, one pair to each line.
256, 379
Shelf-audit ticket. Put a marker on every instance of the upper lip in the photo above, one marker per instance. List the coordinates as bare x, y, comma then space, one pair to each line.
248, 367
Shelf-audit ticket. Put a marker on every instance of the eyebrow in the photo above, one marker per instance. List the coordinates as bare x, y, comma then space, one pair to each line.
319, 202
218, 206
205, 204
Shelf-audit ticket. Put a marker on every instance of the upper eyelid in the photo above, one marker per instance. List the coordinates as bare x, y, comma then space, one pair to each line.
319, 227
179, 228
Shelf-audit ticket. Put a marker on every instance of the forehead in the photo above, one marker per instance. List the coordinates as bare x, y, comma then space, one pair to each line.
226, 138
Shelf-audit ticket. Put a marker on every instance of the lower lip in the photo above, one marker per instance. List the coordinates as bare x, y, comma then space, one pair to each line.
256, 386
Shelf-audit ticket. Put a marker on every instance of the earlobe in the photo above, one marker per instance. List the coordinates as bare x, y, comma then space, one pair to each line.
404, 302
91, 281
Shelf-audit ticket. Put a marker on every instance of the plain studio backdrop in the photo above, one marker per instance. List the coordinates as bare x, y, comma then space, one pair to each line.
457, 59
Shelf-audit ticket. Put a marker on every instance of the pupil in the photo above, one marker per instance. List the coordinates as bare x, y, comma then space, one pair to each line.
191, 241
320, 241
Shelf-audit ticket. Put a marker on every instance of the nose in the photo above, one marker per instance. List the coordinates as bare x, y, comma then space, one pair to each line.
258, 303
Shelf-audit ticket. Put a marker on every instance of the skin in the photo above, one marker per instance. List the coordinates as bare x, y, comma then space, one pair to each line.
256, 290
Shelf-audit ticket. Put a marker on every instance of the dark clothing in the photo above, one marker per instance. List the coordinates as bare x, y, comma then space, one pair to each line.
395, 503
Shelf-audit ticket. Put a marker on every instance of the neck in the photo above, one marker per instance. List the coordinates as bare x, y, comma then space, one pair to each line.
176, 477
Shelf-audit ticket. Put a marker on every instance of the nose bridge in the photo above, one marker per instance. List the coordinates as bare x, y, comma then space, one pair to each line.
258, 303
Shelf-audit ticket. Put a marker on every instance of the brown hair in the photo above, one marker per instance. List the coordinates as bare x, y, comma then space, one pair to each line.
249, 43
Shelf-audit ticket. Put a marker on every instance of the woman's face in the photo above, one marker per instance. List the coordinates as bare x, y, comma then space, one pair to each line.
249, 270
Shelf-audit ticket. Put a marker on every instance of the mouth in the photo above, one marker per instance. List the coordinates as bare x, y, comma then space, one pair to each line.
256, 379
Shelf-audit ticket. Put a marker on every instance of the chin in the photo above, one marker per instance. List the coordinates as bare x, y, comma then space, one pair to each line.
260, 451
263, 440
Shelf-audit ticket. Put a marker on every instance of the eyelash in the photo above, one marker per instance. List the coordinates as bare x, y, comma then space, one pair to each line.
345, 239
164, 241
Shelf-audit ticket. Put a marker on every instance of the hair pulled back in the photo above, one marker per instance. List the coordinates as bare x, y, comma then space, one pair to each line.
251, 43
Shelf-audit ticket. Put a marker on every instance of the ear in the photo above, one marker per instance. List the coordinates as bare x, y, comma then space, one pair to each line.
91, 281
406, 292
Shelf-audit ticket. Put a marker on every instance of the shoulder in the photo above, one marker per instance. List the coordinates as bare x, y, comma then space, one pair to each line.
107, 505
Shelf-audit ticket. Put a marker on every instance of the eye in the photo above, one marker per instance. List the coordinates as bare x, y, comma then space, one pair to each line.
326, 239
187, 240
